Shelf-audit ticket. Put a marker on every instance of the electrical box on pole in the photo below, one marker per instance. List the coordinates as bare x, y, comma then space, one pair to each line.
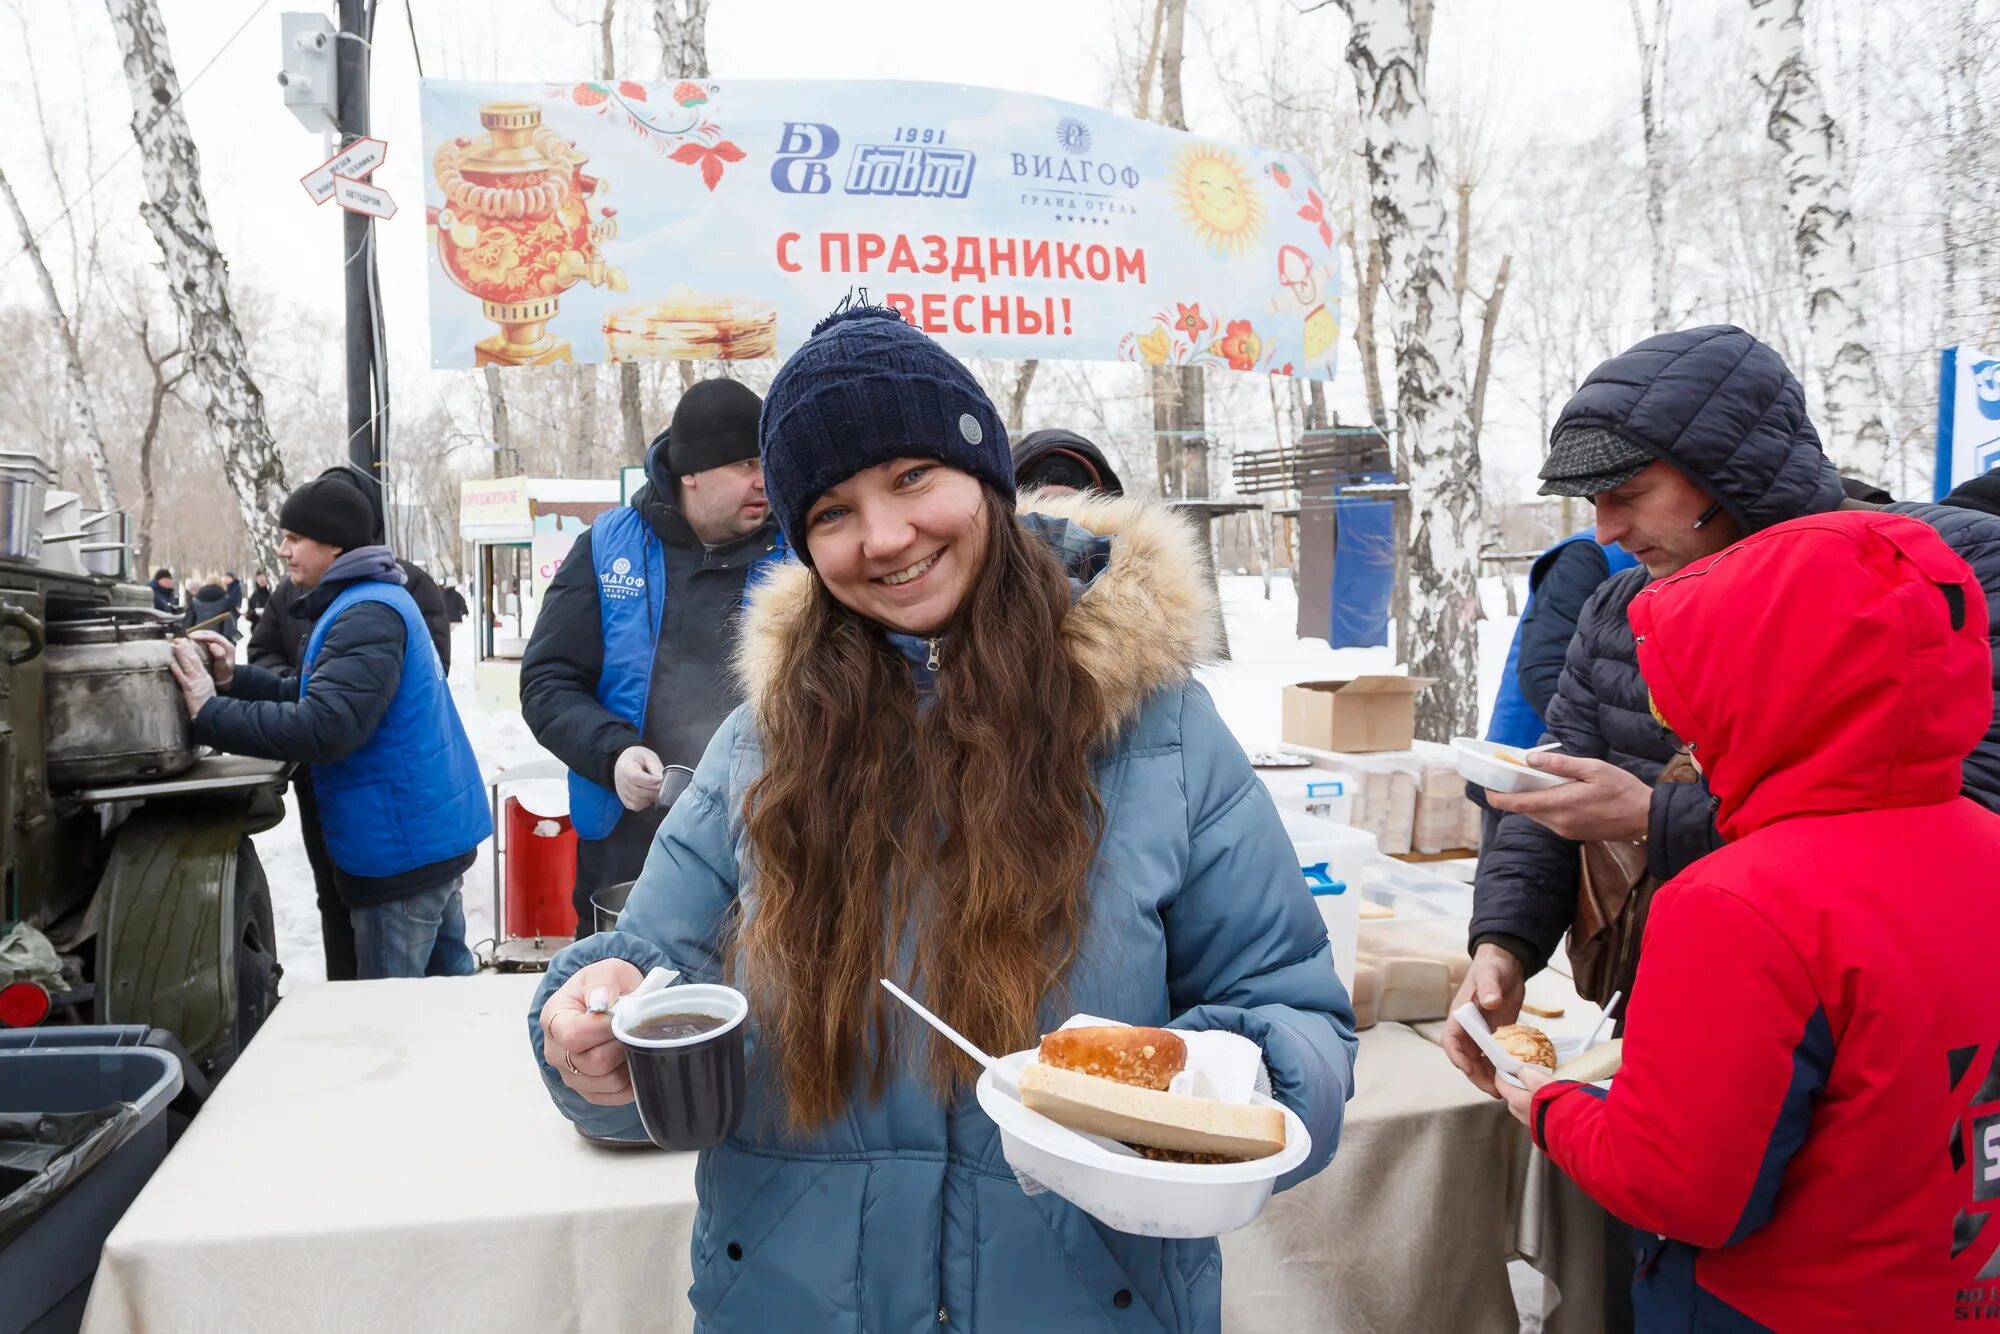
307, 70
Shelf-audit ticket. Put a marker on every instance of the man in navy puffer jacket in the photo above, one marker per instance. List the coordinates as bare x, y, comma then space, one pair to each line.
1684, 443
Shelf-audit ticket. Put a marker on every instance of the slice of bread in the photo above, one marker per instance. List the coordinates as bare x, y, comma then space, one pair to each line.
1232, 1131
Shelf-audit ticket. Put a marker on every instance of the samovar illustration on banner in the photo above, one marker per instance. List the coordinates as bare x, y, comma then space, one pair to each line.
516, 229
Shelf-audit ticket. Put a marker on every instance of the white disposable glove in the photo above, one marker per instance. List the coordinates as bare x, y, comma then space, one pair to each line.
637, 777
191, 674
221, 656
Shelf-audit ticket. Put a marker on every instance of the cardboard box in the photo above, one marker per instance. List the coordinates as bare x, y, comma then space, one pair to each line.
1368, 713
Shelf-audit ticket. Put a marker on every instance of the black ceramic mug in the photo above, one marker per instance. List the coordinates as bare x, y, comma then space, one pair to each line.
689, 1089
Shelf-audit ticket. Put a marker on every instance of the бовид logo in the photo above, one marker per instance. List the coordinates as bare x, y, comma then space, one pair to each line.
918, 163
803, 150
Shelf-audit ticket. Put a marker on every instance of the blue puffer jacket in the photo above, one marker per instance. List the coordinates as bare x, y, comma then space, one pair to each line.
1721, 407
903, 1215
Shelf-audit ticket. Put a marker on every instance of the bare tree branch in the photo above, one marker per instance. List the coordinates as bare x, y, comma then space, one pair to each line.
81, 408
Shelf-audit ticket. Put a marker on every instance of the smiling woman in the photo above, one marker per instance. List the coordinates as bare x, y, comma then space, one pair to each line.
974, 760
901, 542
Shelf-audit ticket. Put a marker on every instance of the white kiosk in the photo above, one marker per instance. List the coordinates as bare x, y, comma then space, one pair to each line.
520, 529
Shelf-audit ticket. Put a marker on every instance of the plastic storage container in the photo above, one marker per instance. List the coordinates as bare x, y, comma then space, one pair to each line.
1324, 794
47, 1264
1330, 858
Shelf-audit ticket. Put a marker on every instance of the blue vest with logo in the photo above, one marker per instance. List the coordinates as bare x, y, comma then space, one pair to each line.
631, 569
1515, 722
412, 794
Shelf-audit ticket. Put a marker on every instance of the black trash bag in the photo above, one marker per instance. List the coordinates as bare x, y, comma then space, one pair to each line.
43, 1154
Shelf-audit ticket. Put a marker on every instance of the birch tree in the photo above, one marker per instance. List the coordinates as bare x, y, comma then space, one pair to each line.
682, 27
1385, 52
82, 411
1180, 415
176, 211
1652, 125
1822, 220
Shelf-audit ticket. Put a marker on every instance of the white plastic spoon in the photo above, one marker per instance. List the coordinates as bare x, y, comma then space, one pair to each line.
1003, 1078
1610, 1008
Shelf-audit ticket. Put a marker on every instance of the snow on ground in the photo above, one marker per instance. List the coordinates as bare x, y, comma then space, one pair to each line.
1265, 656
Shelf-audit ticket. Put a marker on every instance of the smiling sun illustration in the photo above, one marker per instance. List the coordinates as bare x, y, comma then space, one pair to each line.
1219, 200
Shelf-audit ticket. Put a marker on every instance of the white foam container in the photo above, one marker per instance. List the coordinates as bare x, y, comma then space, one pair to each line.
1479, 762
1331, 857
1133, 1194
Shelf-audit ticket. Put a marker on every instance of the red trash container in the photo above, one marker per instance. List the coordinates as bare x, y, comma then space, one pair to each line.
541, 873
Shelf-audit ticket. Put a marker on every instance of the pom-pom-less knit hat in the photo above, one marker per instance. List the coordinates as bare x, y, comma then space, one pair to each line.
867, 388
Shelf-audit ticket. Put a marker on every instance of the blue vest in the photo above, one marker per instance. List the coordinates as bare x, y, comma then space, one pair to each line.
631, 569
412, 794
1515, 722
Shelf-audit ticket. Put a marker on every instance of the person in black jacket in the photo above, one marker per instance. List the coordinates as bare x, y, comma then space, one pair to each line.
455, 609
1059, 462
277, 642
402, 806
1980, 493
209, 602
260, 598
164, 597
624, 676
1683, 443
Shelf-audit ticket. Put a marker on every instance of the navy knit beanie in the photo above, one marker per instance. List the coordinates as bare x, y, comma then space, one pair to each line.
867, 388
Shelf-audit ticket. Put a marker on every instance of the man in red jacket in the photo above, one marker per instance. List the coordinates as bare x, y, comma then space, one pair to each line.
1806, 1130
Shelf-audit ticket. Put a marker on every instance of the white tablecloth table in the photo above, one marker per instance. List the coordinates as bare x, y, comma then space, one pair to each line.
384, 1158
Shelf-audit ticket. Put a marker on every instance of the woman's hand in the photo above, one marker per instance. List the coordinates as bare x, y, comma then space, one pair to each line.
1521, 1101
579, 1045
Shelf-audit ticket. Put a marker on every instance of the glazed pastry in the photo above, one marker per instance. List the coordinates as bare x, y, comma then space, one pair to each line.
1527, 1044
1147, 1058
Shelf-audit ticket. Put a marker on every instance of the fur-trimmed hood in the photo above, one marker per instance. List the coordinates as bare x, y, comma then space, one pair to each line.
1141, 623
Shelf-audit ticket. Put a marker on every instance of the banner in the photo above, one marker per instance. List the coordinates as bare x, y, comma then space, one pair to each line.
1968, 416
721, 219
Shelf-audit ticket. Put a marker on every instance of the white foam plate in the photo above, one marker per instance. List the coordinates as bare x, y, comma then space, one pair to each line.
1504, 1062
1482, 762
1130, 1193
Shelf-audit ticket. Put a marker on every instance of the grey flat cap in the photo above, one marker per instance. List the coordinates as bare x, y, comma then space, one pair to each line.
1585, 461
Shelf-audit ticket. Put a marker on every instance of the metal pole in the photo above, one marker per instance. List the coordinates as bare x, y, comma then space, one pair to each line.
357, 233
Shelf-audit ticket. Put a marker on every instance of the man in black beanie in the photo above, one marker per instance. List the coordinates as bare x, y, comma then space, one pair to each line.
628, 670
402, 806
278, 634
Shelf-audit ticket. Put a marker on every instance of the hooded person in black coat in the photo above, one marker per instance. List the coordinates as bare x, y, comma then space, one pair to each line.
1684, 443
1712, 417
704, 503
1061, 461
278, 637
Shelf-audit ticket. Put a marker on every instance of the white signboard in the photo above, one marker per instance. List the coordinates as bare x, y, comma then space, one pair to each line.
360, 197
356, 161
1968, 416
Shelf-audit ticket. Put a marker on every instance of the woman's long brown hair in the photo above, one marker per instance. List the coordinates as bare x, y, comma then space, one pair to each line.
965, 828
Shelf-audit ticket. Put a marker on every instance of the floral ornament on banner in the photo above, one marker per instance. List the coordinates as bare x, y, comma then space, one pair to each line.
679, 129
1176, 340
